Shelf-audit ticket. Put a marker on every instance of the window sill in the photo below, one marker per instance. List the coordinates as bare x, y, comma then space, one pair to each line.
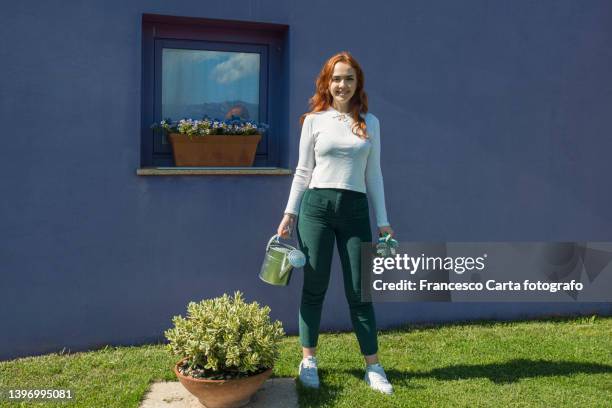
206, 171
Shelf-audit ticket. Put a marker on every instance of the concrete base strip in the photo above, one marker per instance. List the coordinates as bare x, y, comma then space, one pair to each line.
275, 393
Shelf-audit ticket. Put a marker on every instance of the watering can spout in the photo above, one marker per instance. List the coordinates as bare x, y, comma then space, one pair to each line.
285, 267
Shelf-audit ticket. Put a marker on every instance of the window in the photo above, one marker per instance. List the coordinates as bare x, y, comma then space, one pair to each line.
197, 67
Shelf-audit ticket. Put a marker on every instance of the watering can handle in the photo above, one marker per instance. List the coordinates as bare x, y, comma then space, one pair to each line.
388, 237
385, 237
275, 236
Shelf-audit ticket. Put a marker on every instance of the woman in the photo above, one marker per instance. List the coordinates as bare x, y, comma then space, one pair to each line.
339, 160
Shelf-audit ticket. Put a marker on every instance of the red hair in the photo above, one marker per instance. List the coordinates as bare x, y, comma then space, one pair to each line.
322, 99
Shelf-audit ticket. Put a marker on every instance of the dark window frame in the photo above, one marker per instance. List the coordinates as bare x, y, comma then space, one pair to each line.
222, 35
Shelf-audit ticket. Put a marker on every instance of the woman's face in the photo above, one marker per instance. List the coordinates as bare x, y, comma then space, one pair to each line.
343, 84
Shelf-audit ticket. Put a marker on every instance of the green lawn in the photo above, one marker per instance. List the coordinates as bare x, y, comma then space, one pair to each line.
563, 362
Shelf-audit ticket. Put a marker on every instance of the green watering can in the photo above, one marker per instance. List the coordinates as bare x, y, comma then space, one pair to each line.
387, 246
279, 261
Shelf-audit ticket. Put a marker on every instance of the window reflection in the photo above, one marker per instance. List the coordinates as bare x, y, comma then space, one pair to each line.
217, 84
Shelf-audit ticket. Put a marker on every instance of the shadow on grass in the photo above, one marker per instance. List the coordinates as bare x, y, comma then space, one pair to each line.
326, 394
499, 373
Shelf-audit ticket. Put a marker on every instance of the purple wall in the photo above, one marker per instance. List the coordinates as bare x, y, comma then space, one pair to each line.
495, 117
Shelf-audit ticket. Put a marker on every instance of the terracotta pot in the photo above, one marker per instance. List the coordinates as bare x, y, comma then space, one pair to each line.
214, 150
222, 393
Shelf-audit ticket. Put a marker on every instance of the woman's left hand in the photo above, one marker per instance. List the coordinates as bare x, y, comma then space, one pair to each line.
385, 229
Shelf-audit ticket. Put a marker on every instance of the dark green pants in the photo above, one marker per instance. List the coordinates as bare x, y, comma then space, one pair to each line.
328, 214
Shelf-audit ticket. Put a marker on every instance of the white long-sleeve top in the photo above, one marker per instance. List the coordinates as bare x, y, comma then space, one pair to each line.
331, 156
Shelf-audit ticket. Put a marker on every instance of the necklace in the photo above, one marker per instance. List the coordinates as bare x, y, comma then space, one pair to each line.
342, 117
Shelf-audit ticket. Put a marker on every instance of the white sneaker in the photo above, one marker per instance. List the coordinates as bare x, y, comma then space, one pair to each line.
308, 372
376, 378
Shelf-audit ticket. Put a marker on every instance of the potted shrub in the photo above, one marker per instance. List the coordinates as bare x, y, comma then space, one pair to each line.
211, 142
227, 349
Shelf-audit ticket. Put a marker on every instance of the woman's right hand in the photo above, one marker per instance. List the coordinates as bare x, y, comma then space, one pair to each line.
285, 228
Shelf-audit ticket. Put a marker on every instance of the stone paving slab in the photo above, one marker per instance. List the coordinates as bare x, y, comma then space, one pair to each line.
275, 393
